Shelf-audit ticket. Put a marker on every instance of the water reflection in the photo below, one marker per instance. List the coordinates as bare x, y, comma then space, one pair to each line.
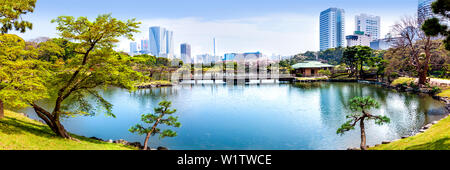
259, 116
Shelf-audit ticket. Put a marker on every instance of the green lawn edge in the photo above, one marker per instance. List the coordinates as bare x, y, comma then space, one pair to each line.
435, 138
18, 132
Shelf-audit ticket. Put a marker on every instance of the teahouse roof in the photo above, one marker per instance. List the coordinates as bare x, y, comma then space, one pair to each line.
311, 64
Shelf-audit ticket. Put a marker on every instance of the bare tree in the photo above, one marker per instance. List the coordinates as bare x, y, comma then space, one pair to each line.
413, 44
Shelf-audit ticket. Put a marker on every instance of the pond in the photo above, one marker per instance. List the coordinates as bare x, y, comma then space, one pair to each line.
262, 117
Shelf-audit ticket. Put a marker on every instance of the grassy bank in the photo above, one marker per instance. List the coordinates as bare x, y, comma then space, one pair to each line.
435, 138
156, 83
18, 132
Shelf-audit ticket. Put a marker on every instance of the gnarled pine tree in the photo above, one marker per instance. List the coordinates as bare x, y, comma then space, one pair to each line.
361, 106
156, 119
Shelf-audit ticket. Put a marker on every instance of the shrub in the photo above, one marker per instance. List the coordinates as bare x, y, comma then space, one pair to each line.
324, 72
435, 90
403, 81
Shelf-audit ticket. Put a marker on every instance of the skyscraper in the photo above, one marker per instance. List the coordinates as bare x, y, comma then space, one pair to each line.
161, 42
169, 44
145, 45
424, 10
368, 24
186, 53
332, 28
133, 48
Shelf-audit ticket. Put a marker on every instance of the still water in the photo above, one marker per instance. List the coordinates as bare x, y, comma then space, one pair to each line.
281, 116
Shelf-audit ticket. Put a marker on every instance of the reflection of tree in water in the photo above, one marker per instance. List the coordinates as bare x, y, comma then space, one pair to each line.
412, 116
153, 95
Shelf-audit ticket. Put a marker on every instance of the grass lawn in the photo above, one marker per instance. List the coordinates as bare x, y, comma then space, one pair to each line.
435, 138
18, 132
445, 93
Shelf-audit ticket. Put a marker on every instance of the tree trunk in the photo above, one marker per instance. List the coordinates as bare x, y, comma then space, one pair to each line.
146, 140
2, 110
363, 135
60, 130
54, 124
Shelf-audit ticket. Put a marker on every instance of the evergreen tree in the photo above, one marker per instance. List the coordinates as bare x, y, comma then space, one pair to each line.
361, 106
156, 119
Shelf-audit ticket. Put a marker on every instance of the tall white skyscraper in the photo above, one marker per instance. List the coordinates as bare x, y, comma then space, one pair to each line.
424, 10
161, 42
368, 24
332, 28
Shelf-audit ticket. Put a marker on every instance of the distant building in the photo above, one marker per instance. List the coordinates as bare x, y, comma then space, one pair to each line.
242, 56
424, 11
229, 57
204, 59
133, 48
186, 53
332, 28
359, 38
145, 45
368, 24
383, 44
161, 42
311, 68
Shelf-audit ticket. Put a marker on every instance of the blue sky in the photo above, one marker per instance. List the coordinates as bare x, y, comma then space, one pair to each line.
271, 26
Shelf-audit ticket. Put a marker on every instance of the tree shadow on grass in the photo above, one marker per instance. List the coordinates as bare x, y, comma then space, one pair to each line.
11, 126
16, 126
441, 144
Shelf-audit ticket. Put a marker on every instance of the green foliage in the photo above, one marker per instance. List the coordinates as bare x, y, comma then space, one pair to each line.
11, 12
95, 63
161, 61
360, 106
436, 90
325, 72
403, 81
433, 27
332, 55
363, 104
22, 77
156, 119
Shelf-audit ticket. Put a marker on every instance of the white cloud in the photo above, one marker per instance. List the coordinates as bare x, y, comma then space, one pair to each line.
284, 34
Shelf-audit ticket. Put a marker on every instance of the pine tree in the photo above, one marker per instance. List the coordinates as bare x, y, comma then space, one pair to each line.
156, 119
360, 106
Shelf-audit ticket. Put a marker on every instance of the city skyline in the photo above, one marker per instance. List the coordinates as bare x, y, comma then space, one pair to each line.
282, 27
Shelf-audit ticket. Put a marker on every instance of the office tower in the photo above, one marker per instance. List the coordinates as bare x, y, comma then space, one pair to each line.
161, 42
145, 45
186, 53
424, 10
359, 38
214, 46
169, 44
332, 28
368, 24
133, 48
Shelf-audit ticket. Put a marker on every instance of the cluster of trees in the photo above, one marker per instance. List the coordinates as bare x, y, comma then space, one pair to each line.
66, 70
357, 57
418, 51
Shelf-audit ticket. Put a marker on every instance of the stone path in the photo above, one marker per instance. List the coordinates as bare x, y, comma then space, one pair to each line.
439, 82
